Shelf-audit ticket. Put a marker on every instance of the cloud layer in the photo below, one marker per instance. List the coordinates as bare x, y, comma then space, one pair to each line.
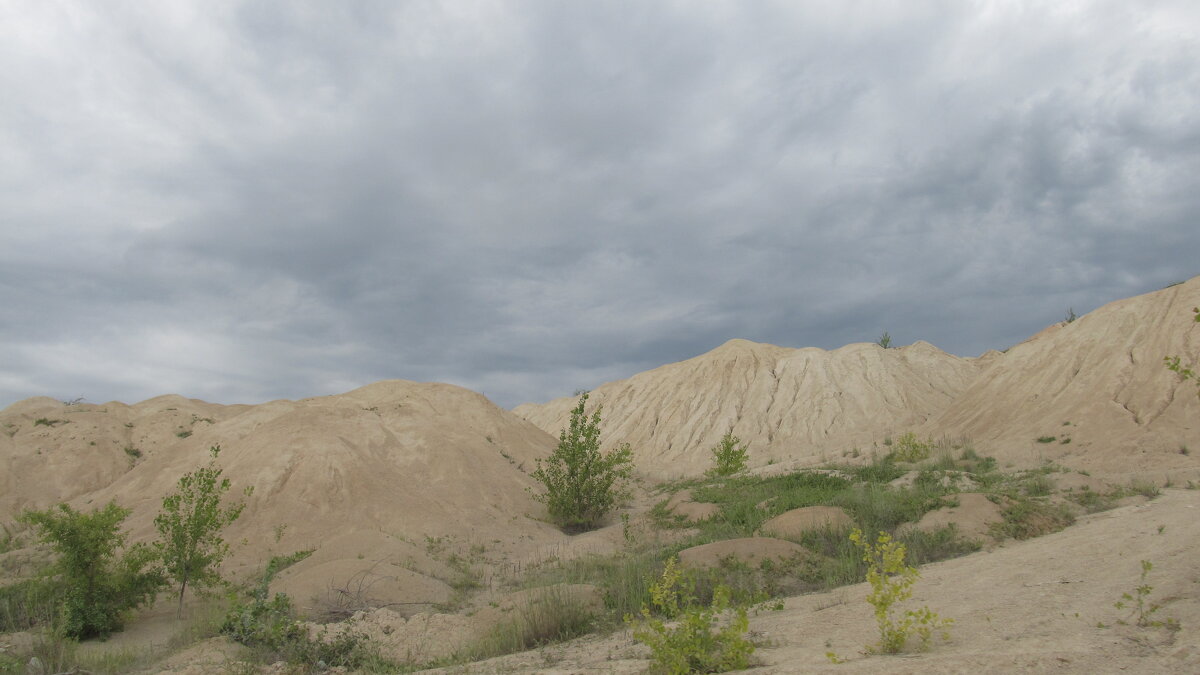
245, 201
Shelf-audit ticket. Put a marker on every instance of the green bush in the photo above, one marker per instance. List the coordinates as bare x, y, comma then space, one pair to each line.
692, 641
582, 484
909, 448
269, 625
728, 457
891, 582
99, 586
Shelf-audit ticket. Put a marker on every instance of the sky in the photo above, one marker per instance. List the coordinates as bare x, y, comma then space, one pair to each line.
245, 201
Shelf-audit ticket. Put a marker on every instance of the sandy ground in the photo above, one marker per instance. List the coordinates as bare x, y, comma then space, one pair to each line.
1035, 606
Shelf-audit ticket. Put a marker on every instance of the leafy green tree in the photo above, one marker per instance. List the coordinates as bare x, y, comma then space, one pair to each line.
728, 457
99, 585
582, 484
190, 527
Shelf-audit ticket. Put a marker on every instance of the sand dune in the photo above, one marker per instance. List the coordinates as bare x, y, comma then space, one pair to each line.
1098, 381
787, 403
386, 466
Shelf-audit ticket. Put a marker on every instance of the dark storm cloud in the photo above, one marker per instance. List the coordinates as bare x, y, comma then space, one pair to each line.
241, 201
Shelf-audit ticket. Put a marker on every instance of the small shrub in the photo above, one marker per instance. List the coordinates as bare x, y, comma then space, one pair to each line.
582, 484
1138, 603
133, 452
728, 457
1047, 439
891, 582
692, 641
1038, 485
271, 627
909, 448
1174, 364
884, 340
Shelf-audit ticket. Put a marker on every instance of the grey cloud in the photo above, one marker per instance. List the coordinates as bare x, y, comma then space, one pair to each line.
262, 200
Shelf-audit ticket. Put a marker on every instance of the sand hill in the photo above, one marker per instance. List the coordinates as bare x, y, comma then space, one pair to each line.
361, 477
788, 403
1098, 381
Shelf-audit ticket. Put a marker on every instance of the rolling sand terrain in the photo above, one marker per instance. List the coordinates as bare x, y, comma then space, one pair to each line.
402, 490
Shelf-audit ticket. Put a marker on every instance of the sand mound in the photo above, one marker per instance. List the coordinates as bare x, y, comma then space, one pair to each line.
399, 466
973, 516
749, 550
784, 402
1094, 391
793, 524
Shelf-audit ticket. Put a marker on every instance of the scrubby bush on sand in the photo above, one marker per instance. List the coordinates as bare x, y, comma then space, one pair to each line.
891, 582
729, 458
583, 484
685, 637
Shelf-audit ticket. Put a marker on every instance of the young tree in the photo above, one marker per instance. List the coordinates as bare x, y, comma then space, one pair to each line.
583, 484
190, 527
99, 586
729, 457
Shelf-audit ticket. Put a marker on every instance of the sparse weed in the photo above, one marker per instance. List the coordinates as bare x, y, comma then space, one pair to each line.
1140, 606
1027, 518
545, 618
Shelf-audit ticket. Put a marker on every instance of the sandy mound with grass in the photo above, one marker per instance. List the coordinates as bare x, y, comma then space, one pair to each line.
785, 402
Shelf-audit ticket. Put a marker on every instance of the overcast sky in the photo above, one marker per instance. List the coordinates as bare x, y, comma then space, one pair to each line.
242, 201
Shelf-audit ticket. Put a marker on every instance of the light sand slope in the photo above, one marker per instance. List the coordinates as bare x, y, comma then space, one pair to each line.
1104, 375
1099, 381
787, 403
51, 451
